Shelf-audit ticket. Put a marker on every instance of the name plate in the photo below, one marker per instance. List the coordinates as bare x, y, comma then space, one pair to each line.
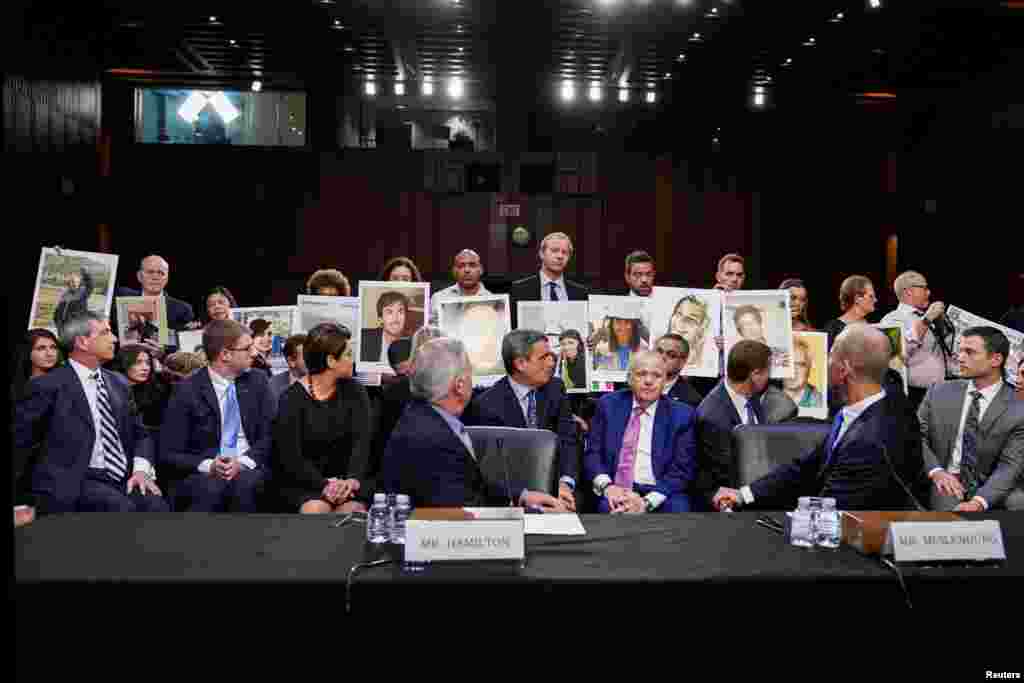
945, 541
476, 539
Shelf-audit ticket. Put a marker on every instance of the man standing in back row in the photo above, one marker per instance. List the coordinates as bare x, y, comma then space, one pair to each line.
550, 283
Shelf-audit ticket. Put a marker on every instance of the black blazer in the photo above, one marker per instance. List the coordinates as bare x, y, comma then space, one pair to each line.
54, 423
179, 313
683, 391
192, 422
528, 289
393, 400
858, 474
499, 407
370, 343
425, 460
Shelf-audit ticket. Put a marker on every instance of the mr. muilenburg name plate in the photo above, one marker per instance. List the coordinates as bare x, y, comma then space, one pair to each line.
946, 541
481, 539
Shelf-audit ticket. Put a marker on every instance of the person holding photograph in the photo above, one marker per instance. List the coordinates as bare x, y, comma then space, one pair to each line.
797, 304
216, 435
153, 276
481, 327
322, 433
38, 354
328, 282
619, 341
572, 363
798, 387
392, 309
219, 302
467, 271
856, 300
550, 283
262, 344
400, 269
75, 298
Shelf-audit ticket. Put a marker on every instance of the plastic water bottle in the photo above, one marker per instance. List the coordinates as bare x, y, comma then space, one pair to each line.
377, 520
801, 525
399, 514
827, 530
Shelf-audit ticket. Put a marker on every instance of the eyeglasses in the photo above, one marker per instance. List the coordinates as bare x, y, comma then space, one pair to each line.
674, 355
247, 348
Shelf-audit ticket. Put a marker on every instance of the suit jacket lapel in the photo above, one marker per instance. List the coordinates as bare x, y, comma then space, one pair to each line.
852, 433
730, 406
243, 393
542, 406
661, 448
1000, 403
954, 409
81, 401
210, 396
618, 422
512, 406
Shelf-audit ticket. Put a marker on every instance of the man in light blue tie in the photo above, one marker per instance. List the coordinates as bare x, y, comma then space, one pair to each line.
216, 437
872, 457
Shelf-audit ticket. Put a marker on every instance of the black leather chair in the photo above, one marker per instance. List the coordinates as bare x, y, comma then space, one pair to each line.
507, 454
761, 448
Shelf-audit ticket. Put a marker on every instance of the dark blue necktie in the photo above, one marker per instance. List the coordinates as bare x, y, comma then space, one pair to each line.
833, 437
554, 291
752, 416
531, 409
969, 448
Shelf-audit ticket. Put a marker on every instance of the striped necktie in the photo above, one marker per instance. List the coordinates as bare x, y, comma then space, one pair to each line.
531, 409
969, 448
110, 442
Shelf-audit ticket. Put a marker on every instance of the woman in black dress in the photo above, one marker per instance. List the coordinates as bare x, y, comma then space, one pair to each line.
322, 433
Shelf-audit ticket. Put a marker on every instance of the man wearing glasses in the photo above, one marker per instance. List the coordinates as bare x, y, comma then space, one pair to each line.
926, 339
216, 436
674, 351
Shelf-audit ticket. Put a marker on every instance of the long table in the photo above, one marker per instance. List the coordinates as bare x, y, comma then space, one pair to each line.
667, 562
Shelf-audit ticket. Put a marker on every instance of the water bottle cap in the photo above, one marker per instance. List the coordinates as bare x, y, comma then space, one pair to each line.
804, 501
828, 503
402, 498
380, 498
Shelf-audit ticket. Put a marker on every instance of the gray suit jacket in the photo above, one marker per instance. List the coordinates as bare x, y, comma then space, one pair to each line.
279, 383
1000, 436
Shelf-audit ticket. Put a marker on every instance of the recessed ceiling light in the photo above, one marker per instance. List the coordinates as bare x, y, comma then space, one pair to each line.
213, 20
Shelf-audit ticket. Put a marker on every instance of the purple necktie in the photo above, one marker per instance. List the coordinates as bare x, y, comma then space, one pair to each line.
627, 455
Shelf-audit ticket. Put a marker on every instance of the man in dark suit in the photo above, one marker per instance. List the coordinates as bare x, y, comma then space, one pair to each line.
153, 275
641, 455
530, 397
94, 455
392, 309
280, 382
674, 351
735, 401
550, 283
972, 430
216, 436
430, 456
871, 456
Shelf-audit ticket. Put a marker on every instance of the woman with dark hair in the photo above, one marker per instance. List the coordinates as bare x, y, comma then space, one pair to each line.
38, 354
856, 300
400, 269
621, 340
262, 343
148, 390
572, 363
797, 304
322, 432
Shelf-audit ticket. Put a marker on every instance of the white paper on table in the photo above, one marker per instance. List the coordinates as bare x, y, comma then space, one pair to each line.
554, 524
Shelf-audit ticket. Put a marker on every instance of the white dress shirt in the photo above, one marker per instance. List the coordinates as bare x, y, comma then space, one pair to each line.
447, 294
984, 402
545, 289
522, 393
926, 364
740, 403
643, 465
220, 388
850, 415
96, 460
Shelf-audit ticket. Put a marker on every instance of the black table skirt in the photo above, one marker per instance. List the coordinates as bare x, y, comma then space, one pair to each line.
661, 562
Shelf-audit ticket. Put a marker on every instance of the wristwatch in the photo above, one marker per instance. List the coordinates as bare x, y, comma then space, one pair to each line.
649, 505
601, 491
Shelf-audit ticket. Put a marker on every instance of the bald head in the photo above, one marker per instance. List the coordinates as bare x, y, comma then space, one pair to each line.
866, 349
153, 274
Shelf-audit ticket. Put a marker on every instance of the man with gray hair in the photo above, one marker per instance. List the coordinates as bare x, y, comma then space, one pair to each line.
529, 396
642, 452
870, 458
926, 353
95, 454
467, 271
430, 456
154, 273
